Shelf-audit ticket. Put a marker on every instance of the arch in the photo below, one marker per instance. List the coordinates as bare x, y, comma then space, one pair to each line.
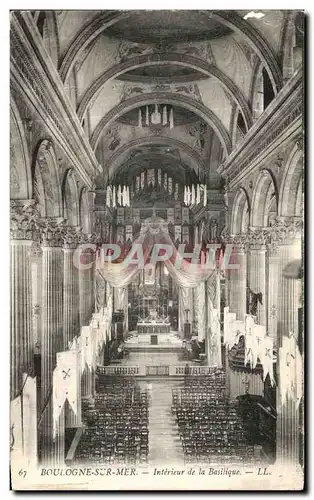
261, 91
46, 175
85, 216
167, 141
163, 59
70, 199
87, 34
164, 98
290, 193
20, 166
229, 18
265, 188
51, 38
240, 209
237, 131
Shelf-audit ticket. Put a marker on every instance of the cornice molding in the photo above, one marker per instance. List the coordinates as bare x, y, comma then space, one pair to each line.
36, 80
281, 119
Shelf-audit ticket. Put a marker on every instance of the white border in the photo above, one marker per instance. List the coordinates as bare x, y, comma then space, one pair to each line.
4, 184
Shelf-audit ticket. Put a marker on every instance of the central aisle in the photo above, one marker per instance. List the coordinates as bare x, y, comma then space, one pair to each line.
164, 442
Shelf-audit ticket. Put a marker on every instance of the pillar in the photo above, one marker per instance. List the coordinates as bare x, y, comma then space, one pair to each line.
257, 271
52, 325
85, 290
285, 235
273, 263
70, 290
21, 344
238, 278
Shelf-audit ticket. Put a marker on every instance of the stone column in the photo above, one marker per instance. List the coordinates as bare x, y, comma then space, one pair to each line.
257, 272
52, 324
23, 216
285, 234
70, 292
86, 286
272, 262
238, 278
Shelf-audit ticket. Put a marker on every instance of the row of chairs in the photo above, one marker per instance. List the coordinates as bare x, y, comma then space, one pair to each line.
116, 425
209, 426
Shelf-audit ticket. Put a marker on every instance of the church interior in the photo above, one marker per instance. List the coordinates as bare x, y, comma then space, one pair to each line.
178, 128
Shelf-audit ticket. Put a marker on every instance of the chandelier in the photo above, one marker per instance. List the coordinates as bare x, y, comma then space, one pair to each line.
195, 194
117, 195
161, 115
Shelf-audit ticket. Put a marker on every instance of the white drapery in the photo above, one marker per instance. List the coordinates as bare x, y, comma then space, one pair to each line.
154, 231
185, 303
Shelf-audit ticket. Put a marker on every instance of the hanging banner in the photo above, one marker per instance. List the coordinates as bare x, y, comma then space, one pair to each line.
177, 233
150, 177
250, 347
16, 431
165, 181
66, 377
266, 359
290, 369
29, 399
159, 177
170, 215
185, 215
176, 191
170, 185
228, 319
201, 318
215, 340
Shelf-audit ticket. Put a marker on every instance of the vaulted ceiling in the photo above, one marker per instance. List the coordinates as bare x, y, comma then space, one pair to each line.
203, 64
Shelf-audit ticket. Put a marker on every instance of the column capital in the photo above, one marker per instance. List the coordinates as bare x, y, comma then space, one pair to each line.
241, 242
285, 230
258, 238
71, 237
52, 231
92, 238
24, 215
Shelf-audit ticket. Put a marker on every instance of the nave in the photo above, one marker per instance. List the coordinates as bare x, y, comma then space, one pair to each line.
175, 128
165, 421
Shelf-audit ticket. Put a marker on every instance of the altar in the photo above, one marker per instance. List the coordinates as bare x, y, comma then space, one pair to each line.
153, 324
153, 327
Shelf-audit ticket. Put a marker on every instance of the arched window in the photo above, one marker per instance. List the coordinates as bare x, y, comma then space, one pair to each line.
263, 92
268, 92
42, 23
